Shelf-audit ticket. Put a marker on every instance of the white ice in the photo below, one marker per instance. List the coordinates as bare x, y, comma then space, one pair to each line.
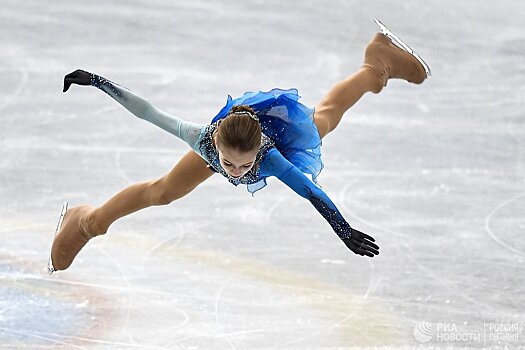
435, 172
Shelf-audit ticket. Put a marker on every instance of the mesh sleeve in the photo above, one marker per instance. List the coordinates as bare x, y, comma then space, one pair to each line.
185, 130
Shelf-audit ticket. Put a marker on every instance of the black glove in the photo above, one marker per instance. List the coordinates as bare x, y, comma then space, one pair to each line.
79, 77
361, 243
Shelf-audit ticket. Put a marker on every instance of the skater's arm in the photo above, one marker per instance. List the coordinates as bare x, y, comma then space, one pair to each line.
140, 107
275, 164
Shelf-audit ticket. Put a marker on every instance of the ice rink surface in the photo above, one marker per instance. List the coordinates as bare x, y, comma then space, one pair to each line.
434, 172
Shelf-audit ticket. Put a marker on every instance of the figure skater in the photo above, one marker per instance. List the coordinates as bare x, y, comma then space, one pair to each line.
253, 137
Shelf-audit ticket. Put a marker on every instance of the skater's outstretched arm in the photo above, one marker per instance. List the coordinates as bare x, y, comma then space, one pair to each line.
140, 107
274, 164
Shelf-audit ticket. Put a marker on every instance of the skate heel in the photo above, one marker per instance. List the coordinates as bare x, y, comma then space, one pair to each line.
401, 44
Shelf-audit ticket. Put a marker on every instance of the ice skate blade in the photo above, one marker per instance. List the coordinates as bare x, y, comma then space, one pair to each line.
50, 267
400, 43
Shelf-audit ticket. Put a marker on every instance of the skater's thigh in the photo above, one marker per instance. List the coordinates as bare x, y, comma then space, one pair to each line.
322, 124
327, 115
188, 173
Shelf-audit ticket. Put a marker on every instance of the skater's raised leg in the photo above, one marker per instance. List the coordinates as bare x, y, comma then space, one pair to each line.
383, 61
84, 222
341, 97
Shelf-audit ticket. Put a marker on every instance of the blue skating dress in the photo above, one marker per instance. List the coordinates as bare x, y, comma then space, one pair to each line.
286, 125
290, 146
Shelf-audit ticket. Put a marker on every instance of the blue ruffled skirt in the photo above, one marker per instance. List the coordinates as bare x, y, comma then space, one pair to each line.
288, 123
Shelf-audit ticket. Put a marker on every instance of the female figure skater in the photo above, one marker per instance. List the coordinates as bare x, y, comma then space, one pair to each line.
253, 137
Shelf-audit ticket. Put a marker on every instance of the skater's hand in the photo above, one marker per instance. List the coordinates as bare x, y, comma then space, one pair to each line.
361, 243
79, 77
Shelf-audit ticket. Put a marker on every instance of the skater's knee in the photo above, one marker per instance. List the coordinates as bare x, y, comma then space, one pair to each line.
165, 198
163, 194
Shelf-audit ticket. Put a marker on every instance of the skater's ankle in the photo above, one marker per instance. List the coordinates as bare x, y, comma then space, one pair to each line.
375, 81
91, 226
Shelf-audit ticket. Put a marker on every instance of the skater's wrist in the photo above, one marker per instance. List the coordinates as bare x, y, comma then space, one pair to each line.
94, 79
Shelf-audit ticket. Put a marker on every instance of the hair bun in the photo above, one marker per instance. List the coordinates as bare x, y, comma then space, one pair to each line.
242, 108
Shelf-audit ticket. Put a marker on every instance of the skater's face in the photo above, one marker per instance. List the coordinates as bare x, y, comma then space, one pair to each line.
236, 163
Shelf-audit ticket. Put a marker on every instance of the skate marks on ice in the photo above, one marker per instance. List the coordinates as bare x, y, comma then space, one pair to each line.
517, 246
37, 311
257, 289
242, 288
178, 285
408, 244
521, 225
14, 80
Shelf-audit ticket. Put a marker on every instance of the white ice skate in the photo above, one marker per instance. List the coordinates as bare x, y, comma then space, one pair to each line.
398, 42
50, 267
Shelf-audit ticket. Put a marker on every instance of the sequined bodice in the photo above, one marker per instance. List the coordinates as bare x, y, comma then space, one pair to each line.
211, 155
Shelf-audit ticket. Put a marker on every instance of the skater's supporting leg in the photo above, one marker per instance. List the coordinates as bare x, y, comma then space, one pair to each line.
85, 222
189, 172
